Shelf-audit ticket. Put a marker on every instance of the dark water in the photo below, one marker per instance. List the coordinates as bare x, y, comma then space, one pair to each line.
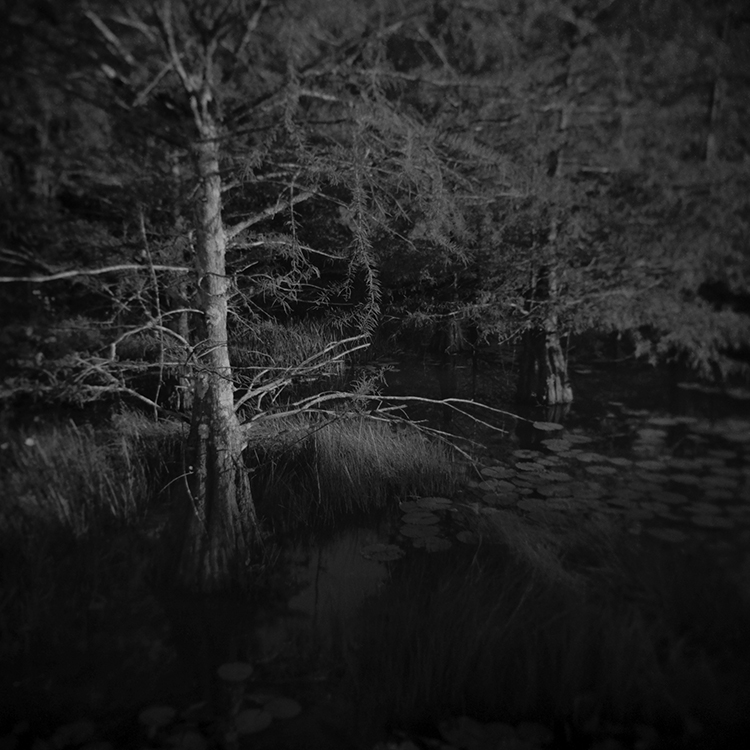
665, 461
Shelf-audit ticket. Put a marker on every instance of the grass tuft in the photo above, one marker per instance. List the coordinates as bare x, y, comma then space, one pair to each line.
312, 469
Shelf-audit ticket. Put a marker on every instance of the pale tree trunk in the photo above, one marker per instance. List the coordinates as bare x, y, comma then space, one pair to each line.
221, 526
544, 367
543, 376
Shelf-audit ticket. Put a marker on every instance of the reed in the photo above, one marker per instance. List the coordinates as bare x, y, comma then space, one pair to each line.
309, 469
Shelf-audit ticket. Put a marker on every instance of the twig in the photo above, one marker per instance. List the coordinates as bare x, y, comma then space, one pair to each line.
38, 279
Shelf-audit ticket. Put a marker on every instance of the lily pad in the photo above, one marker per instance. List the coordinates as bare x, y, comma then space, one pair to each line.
663, 421
589, 457
497, 472
601, 470
651, 465
252, 720
434, 503
557, 444
619, 461
382, 552
682, 464
579, 439
526, 454
408, 505
547, 426
420, 517
555, 490
529, 466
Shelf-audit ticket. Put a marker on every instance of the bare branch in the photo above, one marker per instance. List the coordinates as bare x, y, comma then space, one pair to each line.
111, 37
252, 24
38, 279
267, 213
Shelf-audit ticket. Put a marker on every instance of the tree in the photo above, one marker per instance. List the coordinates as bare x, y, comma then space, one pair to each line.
267, 109
620, 126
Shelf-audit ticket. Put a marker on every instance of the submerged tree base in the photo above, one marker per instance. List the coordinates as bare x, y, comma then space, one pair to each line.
543, 376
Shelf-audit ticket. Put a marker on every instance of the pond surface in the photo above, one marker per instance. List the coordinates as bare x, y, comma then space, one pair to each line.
666, 462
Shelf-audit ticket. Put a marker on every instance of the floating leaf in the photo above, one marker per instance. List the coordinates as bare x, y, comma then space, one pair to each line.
580, 439
282, 708
497, 472
382, 552
529, 466
434, 503
547, 426
408, 505
236, 671
420, 517
557, 476
663, 421
682, 464
252, 720
413, 530
619, 461
590, 457
651, 465
526, 454
557, 444
601, 470
554, 490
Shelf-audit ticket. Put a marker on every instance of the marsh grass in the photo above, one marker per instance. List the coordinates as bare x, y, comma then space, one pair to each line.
281, 346
625, 632
309, 470
73, 502
78, 479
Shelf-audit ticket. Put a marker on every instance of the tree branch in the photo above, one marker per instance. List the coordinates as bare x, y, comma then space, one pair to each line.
37, 279
267, 213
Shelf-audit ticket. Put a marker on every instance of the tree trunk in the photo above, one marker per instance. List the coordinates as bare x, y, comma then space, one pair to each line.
221, 525
543, 377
